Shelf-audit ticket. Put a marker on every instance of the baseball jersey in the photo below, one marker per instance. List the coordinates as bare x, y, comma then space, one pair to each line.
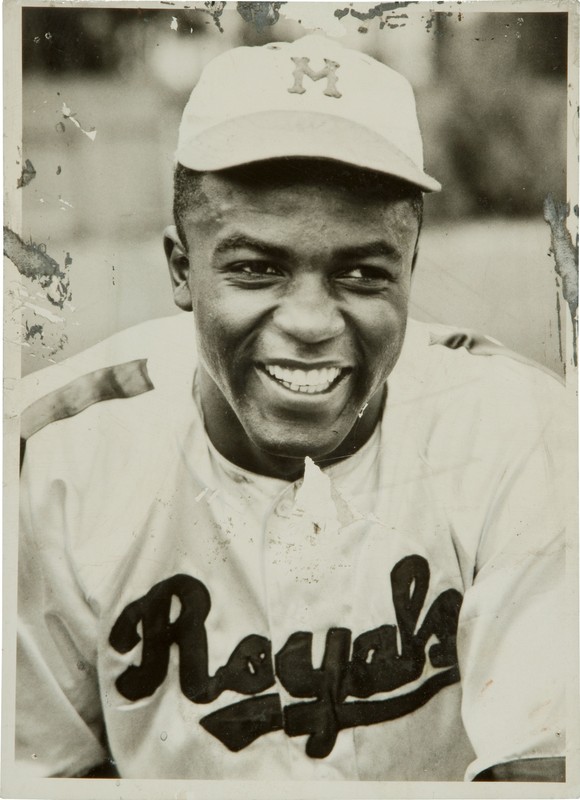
393, 616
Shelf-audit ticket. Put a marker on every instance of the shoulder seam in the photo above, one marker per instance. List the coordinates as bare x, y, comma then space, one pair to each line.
479, 345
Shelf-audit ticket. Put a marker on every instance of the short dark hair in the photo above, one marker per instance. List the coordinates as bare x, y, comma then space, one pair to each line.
187, 190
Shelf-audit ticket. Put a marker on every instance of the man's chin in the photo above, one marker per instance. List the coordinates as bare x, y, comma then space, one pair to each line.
299, 450
296, 449
282, 445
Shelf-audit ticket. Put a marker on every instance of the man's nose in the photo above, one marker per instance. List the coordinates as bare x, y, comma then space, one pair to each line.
308, 312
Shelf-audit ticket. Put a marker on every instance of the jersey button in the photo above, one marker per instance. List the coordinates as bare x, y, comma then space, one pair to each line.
284, 508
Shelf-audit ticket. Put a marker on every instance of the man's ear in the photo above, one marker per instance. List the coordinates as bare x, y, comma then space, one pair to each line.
415, 254
178, 263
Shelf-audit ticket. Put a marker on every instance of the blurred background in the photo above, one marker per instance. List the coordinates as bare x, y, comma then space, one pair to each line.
103, 89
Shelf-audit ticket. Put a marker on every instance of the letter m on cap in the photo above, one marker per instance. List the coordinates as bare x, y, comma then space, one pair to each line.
303, 68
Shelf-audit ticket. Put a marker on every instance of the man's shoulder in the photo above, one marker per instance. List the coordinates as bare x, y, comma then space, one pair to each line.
458, 371
444, 352
463, 399
155, 341
152, 358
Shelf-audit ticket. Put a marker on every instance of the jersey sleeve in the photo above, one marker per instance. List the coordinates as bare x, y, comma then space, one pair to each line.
513, 626
59, 724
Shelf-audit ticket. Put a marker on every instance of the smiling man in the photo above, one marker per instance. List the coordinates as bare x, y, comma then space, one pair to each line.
298, 275
289, 533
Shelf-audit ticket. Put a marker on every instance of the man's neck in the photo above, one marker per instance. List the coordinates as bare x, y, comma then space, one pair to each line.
231, 441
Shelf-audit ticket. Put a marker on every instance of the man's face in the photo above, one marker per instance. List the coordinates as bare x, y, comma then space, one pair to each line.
300, 295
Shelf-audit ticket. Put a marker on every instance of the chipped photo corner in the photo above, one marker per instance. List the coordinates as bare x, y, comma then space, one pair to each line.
290, 400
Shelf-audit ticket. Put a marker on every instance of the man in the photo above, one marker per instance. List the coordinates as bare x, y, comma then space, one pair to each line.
293, 535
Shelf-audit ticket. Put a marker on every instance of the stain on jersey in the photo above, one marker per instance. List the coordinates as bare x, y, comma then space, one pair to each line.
373, 663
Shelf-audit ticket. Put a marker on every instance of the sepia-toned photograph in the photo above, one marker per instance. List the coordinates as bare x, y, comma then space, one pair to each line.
290, 400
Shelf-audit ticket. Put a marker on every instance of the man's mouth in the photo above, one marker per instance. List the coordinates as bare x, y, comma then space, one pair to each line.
305, 381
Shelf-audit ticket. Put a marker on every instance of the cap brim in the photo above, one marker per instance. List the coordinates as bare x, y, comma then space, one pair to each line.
278, 134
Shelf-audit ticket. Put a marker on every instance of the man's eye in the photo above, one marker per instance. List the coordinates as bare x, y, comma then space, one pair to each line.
255, 269
365, 275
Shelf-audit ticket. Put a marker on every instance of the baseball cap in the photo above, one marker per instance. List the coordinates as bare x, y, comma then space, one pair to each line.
311, 98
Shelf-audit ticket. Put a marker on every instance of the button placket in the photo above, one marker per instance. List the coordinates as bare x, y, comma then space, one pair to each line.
308, 588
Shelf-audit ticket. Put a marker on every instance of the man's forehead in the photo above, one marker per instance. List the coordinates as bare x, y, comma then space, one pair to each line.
294, 217
292, 189
302, 176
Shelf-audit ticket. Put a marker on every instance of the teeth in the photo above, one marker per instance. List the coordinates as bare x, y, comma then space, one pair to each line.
307, 381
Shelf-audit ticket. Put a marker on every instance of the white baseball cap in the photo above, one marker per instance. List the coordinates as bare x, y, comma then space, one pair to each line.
311, 98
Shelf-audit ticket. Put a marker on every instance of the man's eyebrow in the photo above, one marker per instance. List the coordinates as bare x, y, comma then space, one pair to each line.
239, 241
380, 248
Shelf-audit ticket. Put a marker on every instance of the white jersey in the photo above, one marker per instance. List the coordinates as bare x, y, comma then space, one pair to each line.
392, 617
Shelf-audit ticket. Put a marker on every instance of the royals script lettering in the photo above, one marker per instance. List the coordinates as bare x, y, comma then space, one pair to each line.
371, 664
